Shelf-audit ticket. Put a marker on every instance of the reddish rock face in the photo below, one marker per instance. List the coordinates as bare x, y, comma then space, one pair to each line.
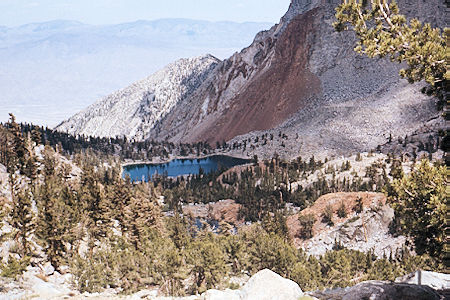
225, 210
280, 87
335, 200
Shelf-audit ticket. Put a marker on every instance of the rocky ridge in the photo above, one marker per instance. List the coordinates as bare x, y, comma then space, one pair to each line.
133, 111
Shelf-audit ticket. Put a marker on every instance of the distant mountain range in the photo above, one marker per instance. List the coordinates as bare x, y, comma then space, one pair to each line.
51, 70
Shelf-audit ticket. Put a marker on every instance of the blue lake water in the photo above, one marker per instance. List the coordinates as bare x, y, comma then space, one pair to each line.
178, 167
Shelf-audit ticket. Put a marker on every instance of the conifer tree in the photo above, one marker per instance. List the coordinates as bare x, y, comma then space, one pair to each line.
342, 210
327, 215
56, 206
306, 225
396, 169
53, 222
31, 165
208, 263
36, 135
141, 215
275, 224
178, 231
22, 219
95, 204
383, 32
358, 208
419, 202
120, 197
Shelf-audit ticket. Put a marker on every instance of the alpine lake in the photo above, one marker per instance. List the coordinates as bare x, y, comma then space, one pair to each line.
182, 167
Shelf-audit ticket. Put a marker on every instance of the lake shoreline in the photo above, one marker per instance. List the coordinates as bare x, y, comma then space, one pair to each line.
160, 161
182, 166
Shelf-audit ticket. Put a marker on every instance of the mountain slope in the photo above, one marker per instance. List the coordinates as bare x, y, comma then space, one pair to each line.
255, 89
133, 111
303, 78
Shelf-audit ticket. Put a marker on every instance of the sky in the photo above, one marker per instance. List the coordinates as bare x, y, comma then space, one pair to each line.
99, 12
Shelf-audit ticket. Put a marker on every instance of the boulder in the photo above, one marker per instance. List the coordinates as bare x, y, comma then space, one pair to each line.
221, 295
46, 290
380, 290
48, 269
264, 285
144, 294
267, 285
438, 281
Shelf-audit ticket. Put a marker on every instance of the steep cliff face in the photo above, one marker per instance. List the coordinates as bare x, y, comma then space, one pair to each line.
253, 90
301, 77
133, 111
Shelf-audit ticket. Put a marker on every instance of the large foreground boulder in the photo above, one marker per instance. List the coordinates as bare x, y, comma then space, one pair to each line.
381, 290
437, 281
264, 285
267, 285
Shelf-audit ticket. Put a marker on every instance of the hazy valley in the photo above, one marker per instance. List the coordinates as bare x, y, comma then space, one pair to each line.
76, 63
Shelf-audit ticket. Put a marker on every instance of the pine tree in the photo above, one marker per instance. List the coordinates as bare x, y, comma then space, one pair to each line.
327, 215
306, 225
31, 165
53, 223
95, 204
358, 208
141, 215
381, 31
342, 210
275, 224
419, 202
22, 219
208, 263
36, 135
56, 211
396, 169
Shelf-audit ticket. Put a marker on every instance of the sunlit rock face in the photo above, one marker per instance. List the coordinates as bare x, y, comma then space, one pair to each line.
134, 110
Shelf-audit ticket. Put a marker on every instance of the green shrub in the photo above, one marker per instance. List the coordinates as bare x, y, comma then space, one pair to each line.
327, 215
14, 267
306, 225
342, 211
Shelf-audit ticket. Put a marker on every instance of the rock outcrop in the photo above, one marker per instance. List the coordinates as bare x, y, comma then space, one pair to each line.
223, 210
380, 290
264, 285
437, 281
365, 231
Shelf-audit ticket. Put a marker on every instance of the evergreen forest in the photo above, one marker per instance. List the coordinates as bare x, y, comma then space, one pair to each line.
67, 202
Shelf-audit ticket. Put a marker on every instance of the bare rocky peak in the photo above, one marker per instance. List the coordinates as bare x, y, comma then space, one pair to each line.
133, 111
